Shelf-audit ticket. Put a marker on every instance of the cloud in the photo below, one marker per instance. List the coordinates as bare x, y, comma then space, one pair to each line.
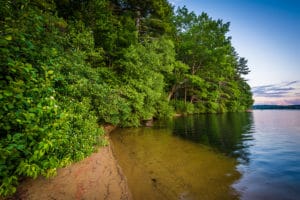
176, 2
292, 102
285, 93
292, 82
272, 91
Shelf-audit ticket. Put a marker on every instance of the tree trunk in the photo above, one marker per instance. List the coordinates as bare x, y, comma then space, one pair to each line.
185, 92
171, 93
138, 20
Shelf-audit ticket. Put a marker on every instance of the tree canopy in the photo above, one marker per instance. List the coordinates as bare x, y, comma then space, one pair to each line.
68, 66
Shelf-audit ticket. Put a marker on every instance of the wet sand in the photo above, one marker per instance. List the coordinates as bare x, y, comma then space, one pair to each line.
96, 177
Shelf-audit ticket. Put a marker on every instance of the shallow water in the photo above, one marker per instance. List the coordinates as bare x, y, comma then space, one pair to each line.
228, 156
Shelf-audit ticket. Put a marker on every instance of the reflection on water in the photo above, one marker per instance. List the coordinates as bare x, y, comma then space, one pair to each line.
228, 156
227, 133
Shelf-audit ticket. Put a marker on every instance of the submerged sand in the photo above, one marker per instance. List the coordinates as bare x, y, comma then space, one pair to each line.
96, 177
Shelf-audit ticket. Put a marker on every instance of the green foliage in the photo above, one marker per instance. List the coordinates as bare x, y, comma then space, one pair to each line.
164, 109
213, 79
183, 107
142, 89
43, 125
66, 66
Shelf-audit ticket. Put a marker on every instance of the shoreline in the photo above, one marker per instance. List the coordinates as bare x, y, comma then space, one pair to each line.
98, 176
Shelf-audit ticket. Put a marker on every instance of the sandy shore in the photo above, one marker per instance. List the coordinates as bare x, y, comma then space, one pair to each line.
96, 177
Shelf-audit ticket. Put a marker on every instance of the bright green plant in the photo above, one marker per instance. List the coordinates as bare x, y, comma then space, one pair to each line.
43, 125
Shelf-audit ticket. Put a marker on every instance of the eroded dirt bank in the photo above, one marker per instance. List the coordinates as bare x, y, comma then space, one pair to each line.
96, 177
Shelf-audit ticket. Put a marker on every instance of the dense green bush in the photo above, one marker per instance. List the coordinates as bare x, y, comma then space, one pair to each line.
183, 107
42, 124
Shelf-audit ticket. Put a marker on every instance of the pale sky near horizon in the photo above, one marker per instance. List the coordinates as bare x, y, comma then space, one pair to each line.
267, 33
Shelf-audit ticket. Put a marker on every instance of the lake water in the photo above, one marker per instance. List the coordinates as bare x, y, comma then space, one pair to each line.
224, 156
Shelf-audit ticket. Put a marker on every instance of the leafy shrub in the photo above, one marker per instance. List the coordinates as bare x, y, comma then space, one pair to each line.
200, 108
43, 124
164, 109
183, 107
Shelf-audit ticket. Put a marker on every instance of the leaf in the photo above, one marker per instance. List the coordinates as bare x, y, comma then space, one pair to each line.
9, 137
8, 93
8, 37
3, 43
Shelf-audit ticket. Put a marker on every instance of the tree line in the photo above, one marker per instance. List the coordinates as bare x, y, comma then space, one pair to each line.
68, 66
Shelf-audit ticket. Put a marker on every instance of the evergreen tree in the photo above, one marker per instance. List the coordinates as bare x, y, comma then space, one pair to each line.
242, 67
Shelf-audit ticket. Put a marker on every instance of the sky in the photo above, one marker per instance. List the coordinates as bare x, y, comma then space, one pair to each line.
267, 34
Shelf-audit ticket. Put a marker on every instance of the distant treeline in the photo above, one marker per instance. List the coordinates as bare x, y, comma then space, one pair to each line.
264, 107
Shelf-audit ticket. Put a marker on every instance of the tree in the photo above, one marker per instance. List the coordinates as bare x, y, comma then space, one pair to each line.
242, 67
152, 17
203, 45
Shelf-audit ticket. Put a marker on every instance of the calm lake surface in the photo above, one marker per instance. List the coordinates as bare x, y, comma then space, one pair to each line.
224, 156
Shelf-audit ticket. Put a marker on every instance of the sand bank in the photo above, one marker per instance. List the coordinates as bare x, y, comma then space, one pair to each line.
96, 177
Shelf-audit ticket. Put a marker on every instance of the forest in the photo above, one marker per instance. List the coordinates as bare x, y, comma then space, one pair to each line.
70, 66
